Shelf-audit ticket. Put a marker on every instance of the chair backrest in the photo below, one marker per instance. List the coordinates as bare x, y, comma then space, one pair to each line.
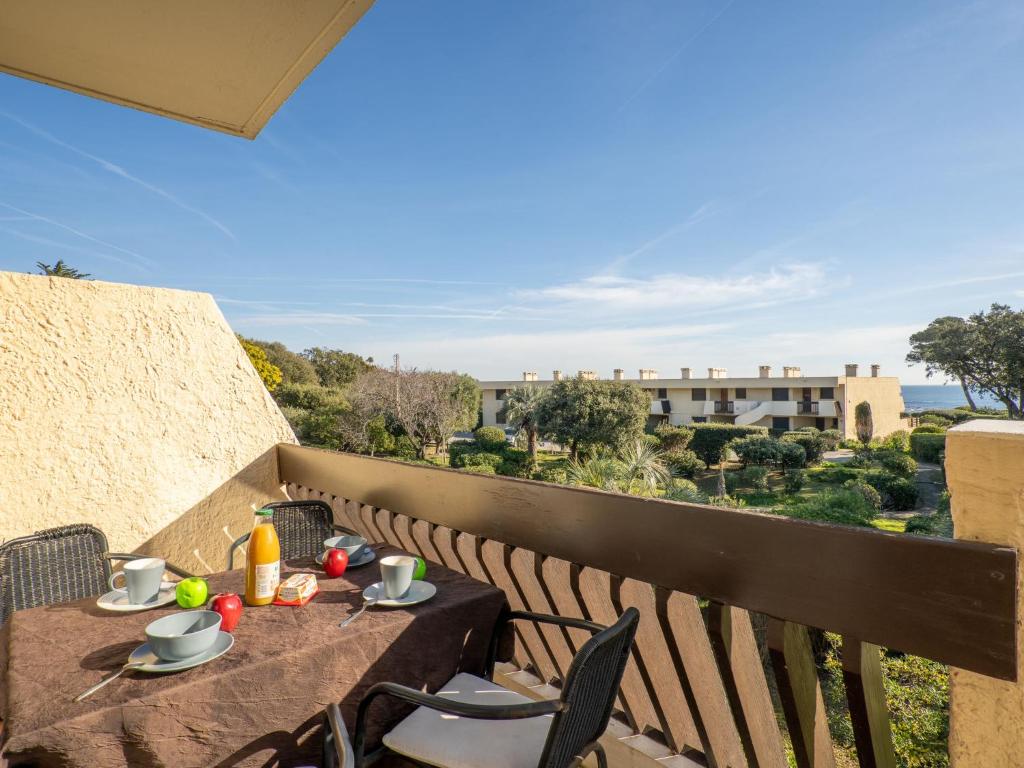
589, 692
302, 526
52, 566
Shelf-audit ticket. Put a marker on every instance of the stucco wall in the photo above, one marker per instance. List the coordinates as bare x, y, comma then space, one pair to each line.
134, 409
886, 398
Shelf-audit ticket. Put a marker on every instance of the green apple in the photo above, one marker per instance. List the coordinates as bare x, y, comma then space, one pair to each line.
421, 569
191, 593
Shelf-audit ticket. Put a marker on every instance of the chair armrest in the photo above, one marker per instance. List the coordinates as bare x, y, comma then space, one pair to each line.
337, 749
235, 545
449, 706
343, 529
537, 618
170, 566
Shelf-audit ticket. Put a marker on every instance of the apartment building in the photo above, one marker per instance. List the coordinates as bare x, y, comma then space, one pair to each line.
785, 402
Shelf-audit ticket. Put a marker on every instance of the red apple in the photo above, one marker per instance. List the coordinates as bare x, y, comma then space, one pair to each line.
229, 606
335, 562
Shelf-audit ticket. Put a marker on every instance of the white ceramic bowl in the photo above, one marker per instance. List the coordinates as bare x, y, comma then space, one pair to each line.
182, 635
353, 545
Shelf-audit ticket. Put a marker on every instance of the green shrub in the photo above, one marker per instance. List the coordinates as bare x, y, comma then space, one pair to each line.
650, 440
673, 438
831, 438
870, 494
919, 524
709, 440
929, 429
927, 447
480, 459
834, 474
310, 397
490, 438
683, 462
879, 479
841, 506
811, 442
552, 473
792, 455
794, 480
936, 419
515, 463
481, 469
903, 494
853, 445
755, 477
685, 490
404, 447
756, 450
810, 430
732, 482
897, 463
897, 441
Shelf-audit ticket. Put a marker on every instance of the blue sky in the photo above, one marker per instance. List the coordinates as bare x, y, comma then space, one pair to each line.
496, 187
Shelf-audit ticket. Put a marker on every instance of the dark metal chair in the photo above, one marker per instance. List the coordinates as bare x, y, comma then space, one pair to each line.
455, 728
302, 527
56, 566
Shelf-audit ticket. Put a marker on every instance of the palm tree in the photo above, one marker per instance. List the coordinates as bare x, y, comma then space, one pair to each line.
522, 405
602, 472
643, 469
60, 269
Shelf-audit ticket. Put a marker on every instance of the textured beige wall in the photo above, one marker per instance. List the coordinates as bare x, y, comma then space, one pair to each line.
886, 398
134, 409
985, 473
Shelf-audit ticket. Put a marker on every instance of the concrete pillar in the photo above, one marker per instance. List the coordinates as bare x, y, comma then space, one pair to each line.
618, 374
985, 474
764, 371
851, 369
875, 369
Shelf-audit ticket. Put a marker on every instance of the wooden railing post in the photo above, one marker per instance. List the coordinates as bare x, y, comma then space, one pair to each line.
985, 474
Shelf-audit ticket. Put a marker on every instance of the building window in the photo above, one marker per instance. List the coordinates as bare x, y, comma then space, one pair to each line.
819, 423
699, 419
499, 394
780, 422
780, 394
662, 393
699, 394
741, 393
827, 393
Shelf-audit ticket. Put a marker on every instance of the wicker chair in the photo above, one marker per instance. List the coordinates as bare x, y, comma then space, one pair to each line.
302, 527
57, 565
509, 731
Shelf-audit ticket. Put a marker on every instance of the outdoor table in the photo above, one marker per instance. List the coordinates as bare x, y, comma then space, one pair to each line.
259, 704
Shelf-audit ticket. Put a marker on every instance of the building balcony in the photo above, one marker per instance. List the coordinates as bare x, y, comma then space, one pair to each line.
807, 407
724, 406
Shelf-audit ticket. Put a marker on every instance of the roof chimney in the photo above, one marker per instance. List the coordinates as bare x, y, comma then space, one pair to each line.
764, 371
648, 373
556, 375
851, 369
588, 375
875, 368
529, 375
717, 373
791, 372
617, 374
684, 373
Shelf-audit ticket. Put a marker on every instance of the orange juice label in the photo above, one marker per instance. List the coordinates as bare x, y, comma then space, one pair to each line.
267, 578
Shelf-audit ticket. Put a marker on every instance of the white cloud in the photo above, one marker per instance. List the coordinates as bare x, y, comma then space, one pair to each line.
679, 291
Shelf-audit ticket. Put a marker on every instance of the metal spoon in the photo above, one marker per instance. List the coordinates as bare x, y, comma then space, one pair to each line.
108, 678
359, 613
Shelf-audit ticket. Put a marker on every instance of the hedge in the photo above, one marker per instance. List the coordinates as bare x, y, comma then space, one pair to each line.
709, 440
927, 447
811, 442
490, 438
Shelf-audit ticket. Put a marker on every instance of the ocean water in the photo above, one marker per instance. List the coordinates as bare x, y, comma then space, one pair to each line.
920, 397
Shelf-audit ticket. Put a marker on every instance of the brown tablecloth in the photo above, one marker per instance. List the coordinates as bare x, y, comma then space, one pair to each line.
258, 705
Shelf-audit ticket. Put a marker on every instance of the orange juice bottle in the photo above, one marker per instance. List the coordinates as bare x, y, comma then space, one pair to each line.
262, 560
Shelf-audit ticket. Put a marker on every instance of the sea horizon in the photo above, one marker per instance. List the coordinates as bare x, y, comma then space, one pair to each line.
922, 397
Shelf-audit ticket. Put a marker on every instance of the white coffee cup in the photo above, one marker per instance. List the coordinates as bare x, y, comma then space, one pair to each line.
142, 579
396, 573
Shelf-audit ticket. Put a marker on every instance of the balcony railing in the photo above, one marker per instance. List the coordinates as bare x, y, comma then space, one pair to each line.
807, 407
724, 406
696, 683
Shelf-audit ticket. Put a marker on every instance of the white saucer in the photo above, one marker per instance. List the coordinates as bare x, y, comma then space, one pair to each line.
117, 600
419, 592
153, 663
364, 559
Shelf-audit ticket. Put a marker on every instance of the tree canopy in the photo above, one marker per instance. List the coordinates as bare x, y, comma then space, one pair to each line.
60, 269
269, 373
584, 413
984, 352
333, 367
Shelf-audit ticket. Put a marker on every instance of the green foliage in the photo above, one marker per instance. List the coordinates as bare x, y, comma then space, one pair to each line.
755, 477
269, 373
684, 463
897, 463
310, 397
929, 429
897, 441
684, 490
479, 459
756, 450
60, 269
710, 440
792, 455
490, 438
295, 369
927, 447
552, 473
865, 424
333, 367
673, 438
596, 472
515, 463
833, 474
482, 469
903, 494
842, 506
879, 479
870, 493
811, 442
794, 480
936, 420
378, 437
522, 411
405, 448
732, 483
831, 438
586, 414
